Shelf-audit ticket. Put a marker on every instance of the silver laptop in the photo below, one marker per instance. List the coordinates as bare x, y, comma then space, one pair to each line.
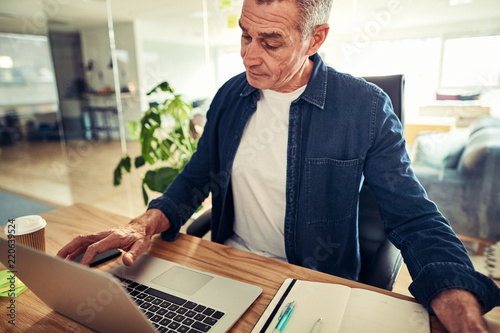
159, 296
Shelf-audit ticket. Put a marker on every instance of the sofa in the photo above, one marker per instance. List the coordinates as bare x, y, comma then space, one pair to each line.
460, 171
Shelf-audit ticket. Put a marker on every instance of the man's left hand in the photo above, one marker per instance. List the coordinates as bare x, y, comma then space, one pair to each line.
459, 311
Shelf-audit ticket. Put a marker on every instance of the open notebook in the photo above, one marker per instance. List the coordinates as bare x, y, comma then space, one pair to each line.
342, 309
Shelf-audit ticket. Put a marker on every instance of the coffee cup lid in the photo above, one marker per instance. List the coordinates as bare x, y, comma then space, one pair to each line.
26, 224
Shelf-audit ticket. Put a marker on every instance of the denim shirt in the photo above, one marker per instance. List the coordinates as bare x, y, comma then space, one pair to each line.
342, 130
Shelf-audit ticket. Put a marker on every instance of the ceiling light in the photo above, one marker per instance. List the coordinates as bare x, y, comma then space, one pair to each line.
6, 62
199, 14
95, 1
459, 2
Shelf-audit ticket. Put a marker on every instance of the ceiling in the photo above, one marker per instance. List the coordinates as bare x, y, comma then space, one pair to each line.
184, 19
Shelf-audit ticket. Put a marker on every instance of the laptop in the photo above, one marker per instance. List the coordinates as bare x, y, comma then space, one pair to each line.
153, 295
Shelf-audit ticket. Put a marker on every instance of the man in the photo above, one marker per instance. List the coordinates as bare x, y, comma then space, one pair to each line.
291, 140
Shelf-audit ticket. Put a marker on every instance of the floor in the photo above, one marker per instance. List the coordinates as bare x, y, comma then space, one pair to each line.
76, 172
13, 206
60, 174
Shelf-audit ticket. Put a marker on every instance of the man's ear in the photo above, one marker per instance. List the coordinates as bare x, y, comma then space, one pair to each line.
318, 38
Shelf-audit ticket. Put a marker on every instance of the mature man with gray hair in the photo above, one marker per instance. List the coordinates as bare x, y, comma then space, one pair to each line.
285, 149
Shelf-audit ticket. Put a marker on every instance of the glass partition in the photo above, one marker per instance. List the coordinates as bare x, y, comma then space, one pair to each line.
58, 119
32, 151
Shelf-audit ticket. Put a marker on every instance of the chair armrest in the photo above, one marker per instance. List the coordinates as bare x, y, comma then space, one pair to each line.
385, 266
201, 226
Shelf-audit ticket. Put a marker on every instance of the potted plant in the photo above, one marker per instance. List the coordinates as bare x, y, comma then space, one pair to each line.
166, 138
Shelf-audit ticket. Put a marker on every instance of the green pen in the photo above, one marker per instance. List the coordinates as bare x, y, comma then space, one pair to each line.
284, 317
317, 326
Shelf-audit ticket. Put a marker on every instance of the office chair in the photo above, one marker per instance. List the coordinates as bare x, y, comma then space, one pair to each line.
381, 261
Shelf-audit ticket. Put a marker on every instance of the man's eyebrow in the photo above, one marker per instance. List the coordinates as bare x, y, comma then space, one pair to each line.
241, 26
270, 35
263, 34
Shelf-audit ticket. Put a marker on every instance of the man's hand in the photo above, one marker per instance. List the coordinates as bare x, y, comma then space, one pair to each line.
459, 311
134, 238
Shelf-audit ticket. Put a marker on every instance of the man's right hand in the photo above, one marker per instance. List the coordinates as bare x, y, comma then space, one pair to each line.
134, 238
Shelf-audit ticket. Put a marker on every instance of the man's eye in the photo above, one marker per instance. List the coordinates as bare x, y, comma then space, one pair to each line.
270, 47
246, 37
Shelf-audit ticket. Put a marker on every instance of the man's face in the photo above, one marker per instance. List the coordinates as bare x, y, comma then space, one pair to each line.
273, 52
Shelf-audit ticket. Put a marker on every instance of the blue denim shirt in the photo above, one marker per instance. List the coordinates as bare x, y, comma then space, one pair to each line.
342, 130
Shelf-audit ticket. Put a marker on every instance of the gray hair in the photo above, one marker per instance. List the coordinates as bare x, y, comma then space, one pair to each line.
312, 13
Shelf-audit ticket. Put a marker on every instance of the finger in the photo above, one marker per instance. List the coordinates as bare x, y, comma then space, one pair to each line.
138, 248
82, 241
115, 239
99, 247
72, 256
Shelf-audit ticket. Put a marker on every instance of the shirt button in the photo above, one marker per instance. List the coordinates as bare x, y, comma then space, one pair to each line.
236, 138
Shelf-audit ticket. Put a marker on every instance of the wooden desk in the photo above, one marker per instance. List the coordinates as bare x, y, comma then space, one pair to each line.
63, 224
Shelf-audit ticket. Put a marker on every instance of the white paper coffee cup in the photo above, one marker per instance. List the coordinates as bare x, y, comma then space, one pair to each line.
28, 230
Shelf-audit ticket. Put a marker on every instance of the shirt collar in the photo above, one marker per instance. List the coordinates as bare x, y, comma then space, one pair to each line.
315, 92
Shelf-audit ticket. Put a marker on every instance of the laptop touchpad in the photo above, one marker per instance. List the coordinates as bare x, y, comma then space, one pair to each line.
182, 280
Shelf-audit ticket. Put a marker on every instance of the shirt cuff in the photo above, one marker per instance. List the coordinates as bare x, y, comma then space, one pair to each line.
169, 208
440, 276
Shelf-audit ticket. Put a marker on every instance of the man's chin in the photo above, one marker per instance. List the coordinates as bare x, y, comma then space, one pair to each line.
258, 81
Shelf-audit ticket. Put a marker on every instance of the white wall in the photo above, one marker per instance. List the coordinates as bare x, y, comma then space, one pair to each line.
183, 66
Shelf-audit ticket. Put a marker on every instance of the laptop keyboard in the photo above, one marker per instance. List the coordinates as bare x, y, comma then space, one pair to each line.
169, 313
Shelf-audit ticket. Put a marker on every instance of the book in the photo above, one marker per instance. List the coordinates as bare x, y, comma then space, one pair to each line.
343, 309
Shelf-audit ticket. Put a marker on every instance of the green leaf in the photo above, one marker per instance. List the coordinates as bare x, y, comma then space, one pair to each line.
123, 164
160, 179
164, 86
147, 149
117, 177
133, 129
156, 118
139, 161
144, 194
173, 146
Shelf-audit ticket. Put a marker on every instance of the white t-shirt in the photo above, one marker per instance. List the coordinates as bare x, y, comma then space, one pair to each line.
259, 177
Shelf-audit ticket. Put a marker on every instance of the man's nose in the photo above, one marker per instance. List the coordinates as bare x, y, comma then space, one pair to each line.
250, 54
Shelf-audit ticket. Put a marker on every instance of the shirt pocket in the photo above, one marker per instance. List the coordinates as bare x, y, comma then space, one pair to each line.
332, 188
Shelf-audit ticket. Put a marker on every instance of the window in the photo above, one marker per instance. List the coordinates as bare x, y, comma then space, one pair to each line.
417, 59
26, 74
471, 62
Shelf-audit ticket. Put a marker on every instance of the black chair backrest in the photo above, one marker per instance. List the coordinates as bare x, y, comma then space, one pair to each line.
392, 85
381, 261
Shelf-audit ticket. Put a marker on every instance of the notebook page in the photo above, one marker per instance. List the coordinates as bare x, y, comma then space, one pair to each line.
314, 300
369, 311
